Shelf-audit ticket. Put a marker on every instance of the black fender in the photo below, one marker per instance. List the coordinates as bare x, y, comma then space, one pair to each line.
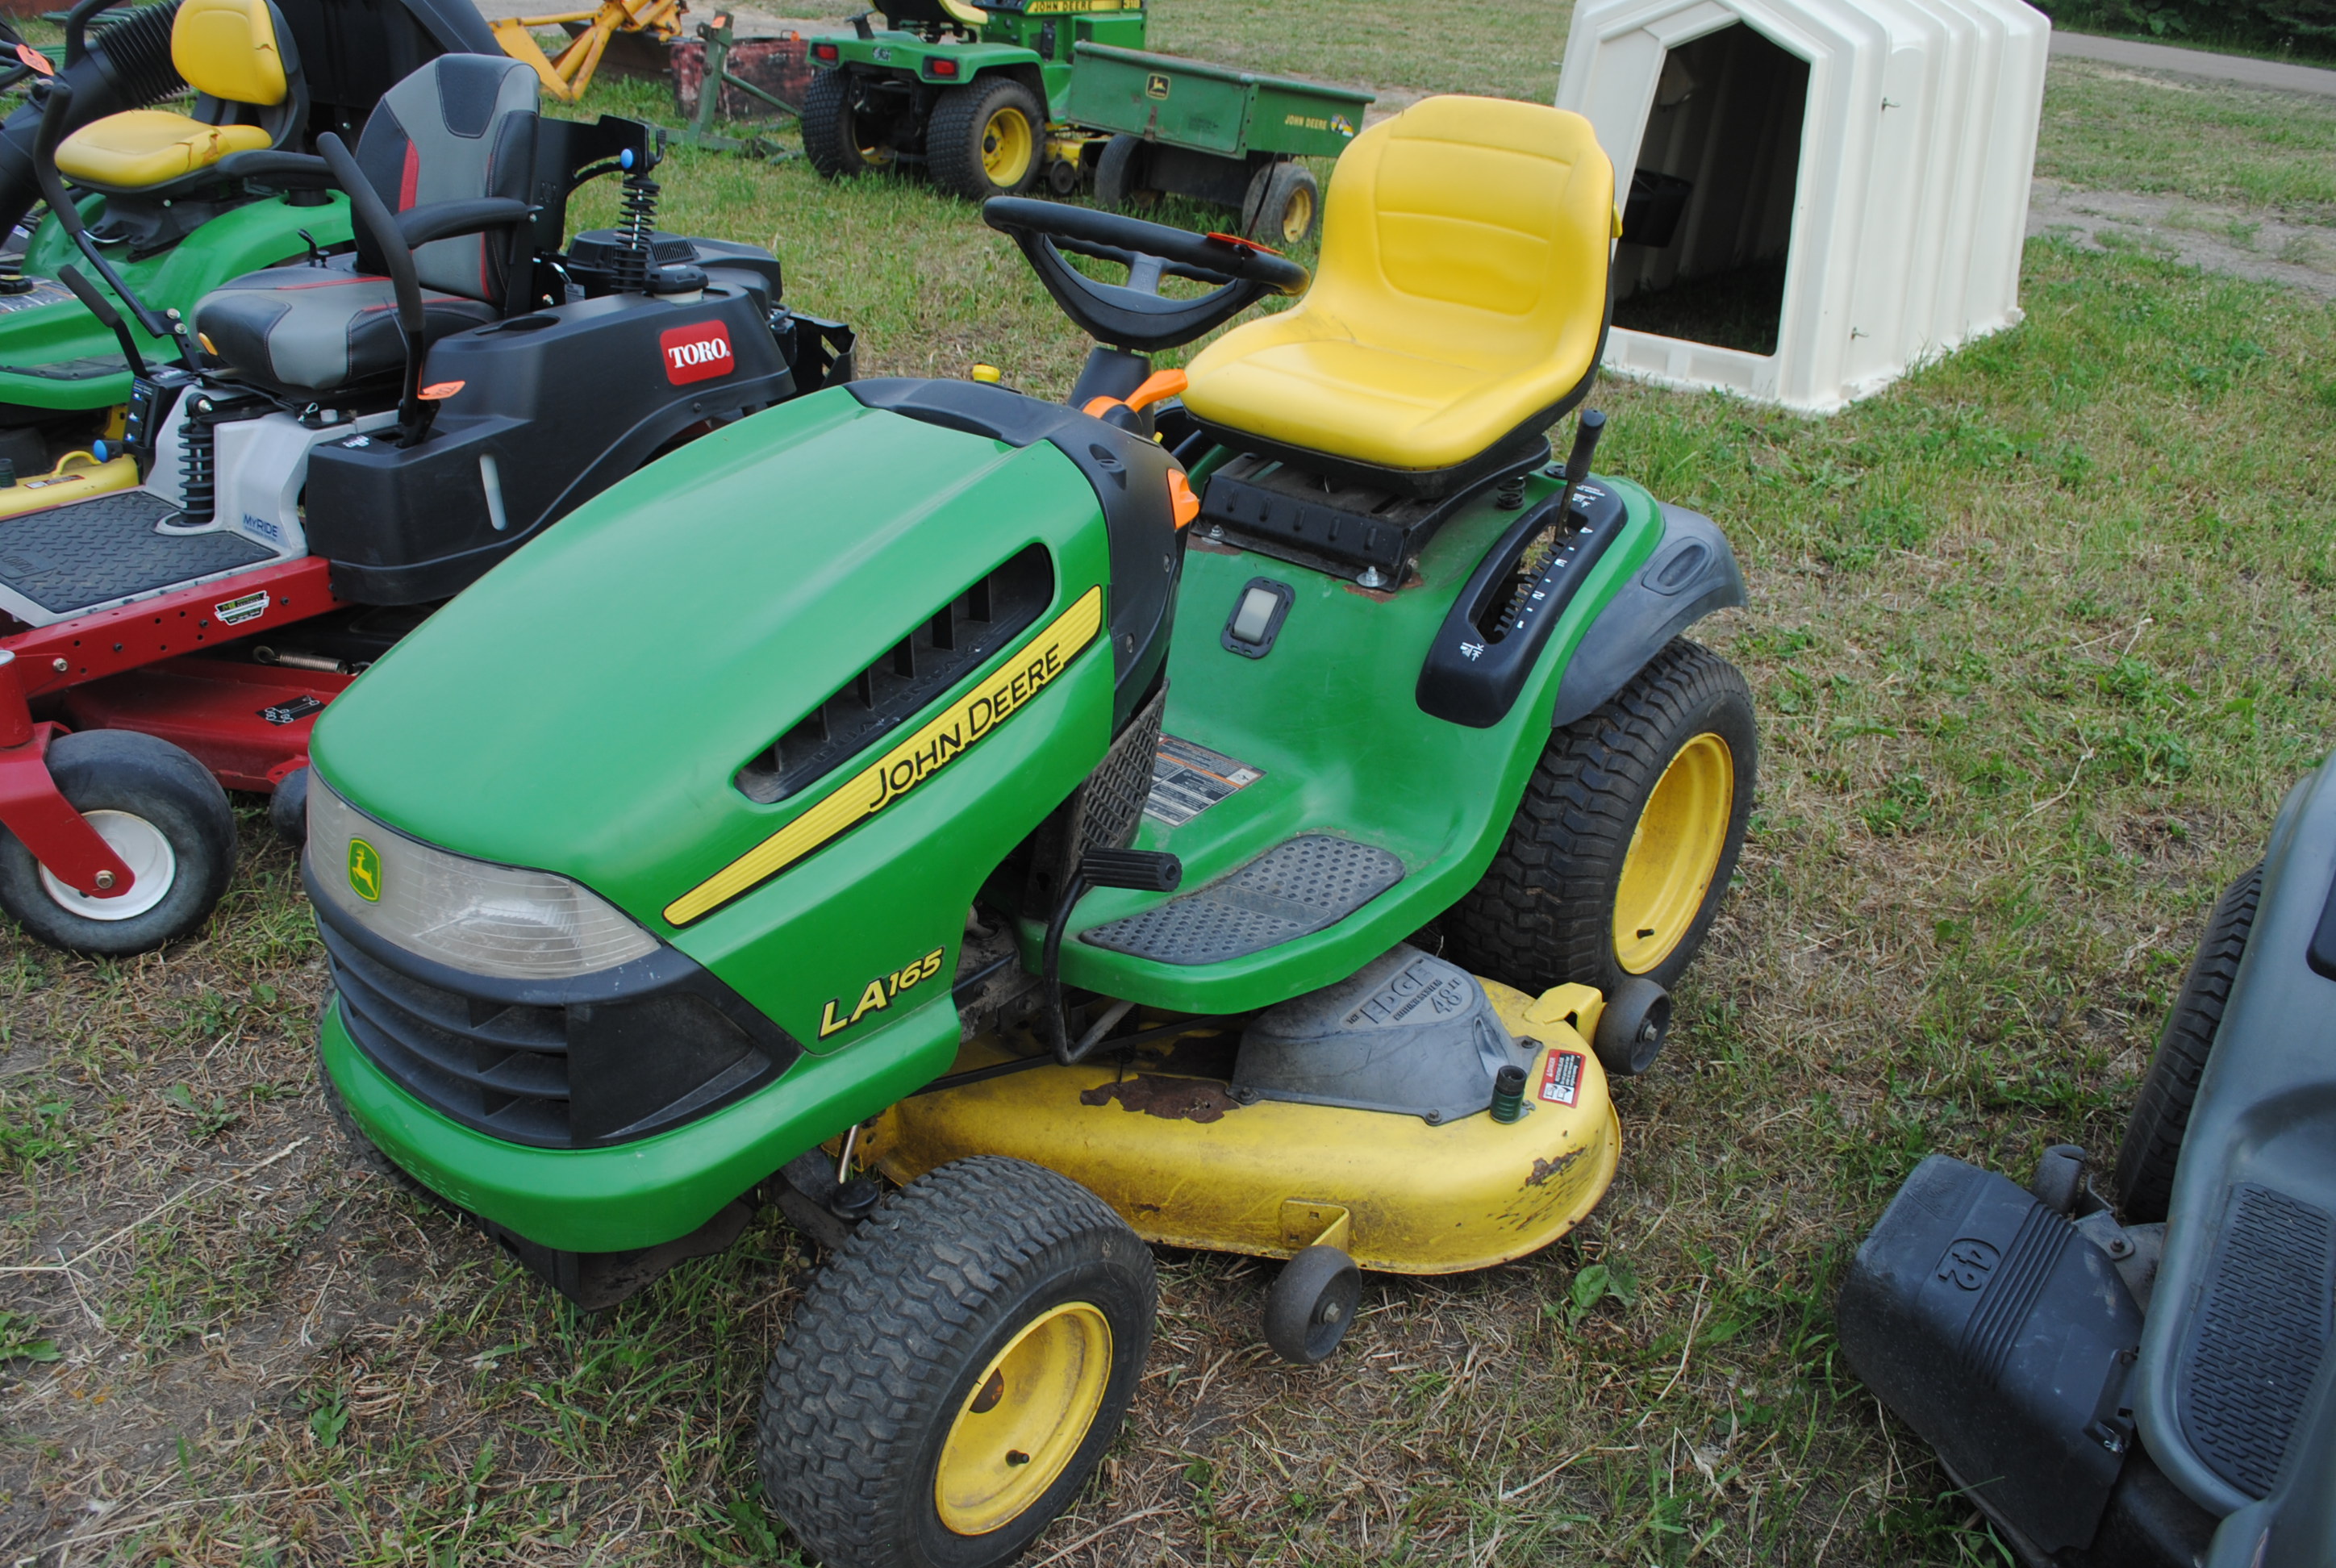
1692, 573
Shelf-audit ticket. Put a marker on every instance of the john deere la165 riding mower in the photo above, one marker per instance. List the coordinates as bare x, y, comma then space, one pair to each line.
150, 183
925, 779
345, 443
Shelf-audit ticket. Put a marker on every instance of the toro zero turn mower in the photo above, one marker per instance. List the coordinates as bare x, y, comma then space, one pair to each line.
2153, 1391
151, 187
1005, 833
345, 443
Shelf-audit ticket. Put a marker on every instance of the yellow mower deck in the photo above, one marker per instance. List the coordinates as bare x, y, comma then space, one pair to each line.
1188, 1165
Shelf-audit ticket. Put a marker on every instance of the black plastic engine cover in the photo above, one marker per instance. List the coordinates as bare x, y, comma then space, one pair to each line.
552, 409
2004, 1338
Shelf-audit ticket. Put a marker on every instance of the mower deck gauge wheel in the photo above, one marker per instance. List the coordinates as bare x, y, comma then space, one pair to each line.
166, 817
1311, 1305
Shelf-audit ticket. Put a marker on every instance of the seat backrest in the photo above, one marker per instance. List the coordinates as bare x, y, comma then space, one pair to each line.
230, 50
1475, 230
461, 128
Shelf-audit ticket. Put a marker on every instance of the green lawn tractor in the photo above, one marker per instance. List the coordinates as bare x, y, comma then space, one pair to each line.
265, 75
995, 100
1005, 835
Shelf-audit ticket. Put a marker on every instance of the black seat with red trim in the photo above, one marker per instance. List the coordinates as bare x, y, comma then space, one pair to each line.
450, 155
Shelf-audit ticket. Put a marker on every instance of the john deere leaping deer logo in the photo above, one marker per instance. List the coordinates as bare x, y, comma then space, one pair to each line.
365, 870
1155, 85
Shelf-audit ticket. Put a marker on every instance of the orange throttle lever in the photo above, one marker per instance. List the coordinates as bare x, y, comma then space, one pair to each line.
1160, 384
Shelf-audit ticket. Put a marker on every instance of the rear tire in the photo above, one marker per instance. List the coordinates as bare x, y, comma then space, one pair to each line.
985, 139
2161, 1112
1119, 172
164, 815
1622, 847
957, 1370
1284, 206
837, 139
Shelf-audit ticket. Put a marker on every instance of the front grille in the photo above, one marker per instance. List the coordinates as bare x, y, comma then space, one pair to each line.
626, 1063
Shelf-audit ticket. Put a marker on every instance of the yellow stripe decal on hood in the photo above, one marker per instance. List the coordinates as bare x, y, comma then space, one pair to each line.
908, 764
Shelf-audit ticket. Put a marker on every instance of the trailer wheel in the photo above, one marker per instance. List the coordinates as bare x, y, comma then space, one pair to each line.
2161, 1112
957, 1370
165, 815
1120, 172
840, 138
1622, 847
1284, 205
985, 139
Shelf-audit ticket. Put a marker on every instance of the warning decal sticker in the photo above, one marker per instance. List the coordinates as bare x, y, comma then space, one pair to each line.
1188, 779
246, 607
1560, 1078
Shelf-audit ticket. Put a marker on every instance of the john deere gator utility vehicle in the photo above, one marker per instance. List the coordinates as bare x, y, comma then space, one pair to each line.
151, 187
1007, 96
1004, 834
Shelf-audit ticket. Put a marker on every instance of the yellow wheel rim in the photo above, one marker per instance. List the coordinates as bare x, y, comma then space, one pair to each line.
1297, 217
1674, 850
1026, 1415
1006, 144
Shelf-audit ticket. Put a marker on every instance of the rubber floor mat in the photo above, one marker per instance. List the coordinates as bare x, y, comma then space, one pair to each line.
93, 552
1293, 889
2256, 1341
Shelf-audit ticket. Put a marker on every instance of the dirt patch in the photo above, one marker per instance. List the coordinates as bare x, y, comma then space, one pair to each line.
2229, 240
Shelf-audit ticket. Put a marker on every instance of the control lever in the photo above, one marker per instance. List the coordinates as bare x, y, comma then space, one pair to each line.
107, 317
55, 94
1586, 432
1146, 870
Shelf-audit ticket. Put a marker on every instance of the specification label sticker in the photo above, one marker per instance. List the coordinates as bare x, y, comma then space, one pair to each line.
1188, 779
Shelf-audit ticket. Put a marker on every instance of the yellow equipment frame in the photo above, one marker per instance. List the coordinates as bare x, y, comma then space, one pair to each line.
567, 77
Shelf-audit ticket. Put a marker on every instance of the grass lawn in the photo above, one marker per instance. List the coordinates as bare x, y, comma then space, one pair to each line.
2039, 638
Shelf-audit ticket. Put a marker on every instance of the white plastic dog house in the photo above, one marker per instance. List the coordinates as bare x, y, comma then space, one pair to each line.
1823, 192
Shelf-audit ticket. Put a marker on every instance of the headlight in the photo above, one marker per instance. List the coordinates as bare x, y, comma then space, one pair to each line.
475, 915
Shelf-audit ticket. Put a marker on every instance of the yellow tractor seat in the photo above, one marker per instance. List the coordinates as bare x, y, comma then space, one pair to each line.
239, 57
1459, 308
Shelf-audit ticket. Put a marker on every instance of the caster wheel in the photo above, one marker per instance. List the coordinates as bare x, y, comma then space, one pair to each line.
1311, 1305
1632, 1027
1063, 177
287, 809
957, 1370
165, 816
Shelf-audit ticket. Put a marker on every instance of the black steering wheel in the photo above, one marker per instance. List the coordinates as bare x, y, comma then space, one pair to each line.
1135, 315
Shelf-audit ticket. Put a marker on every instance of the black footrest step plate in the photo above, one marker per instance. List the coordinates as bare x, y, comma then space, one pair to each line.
90, 554
2258, 1336
1293, 889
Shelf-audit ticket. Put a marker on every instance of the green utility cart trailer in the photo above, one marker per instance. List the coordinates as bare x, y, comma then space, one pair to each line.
990, 101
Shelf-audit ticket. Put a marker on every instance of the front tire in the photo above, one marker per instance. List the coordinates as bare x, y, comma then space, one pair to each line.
957, 1370
165, 816
1623, 845
985, 139
2144, 1183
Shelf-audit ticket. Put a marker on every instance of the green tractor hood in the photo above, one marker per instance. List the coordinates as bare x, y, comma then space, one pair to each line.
610, 703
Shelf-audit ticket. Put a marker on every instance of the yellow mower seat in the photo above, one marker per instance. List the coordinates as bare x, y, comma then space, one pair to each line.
229, 51
1461, 296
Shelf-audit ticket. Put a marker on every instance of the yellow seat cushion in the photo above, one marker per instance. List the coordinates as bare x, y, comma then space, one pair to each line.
148, 147
1461, 292
228, 49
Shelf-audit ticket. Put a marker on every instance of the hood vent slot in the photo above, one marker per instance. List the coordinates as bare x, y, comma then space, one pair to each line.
954, 641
